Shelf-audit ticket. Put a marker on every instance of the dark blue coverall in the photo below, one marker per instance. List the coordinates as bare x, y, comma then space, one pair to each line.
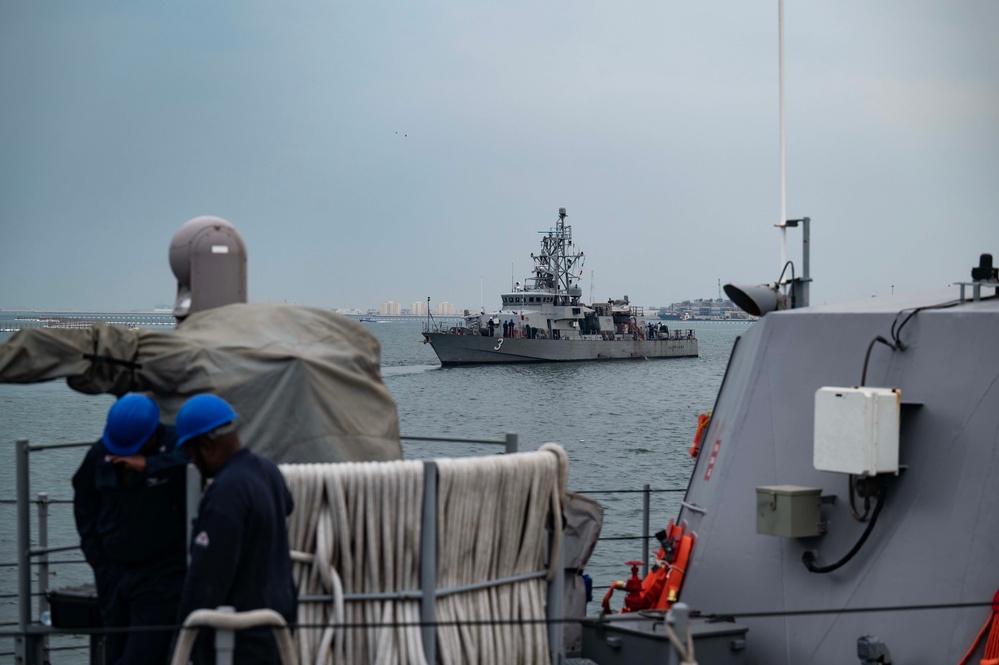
131, 528
240, 555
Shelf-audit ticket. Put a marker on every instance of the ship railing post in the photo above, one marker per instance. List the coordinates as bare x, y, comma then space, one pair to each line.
646, 491
27, 647
225, 639
193, 480
43, 568
428, 563
511, 443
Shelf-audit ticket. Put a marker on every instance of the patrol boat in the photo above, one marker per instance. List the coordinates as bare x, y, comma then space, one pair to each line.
544, 320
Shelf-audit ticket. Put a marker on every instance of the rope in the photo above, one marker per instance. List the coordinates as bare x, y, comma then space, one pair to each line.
686, 652
991, 654
356, 529
233, 621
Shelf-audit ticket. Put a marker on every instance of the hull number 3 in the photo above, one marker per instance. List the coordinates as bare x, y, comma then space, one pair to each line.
499, 343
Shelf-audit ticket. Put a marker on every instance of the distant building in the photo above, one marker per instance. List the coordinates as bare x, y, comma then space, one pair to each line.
389, 309
702, 309
444, 309
418, 308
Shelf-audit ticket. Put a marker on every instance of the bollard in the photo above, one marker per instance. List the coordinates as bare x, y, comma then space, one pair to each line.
678, 618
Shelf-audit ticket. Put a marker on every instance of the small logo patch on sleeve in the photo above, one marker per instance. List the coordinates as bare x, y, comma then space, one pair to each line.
201, 539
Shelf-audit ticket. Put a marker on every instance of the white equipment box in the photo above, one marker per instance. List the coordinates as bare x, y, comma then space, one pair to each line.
856, 430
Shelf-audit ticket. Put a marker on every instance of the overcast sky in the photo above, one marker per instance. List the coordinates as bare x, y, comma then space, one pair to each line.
375, 151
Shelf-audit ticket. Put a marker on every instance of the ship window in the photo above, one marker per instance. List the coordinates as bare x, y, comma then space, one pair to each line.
575, 310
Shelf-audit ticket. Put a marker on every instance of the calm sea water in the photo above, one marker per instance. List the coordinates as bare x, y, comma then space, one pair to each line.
624, 424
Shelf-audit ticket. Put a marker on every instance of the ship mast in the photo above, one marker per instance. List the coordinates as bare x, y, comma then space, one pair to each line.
556, 267
566, 260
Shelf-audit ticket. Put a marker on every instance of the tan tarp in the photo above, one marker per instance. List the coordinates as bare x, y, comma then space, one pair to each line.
305, 382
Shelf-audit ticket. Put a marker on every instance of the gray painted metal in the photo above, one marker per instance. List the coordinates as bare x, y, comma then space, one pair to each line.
937, 538
428, 562
43, 566
642, 639
225, 640
478, 349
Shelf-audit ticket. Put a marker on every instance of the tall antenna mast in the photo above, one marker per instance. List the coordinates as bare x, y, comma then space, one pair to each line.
591, 287
783, 147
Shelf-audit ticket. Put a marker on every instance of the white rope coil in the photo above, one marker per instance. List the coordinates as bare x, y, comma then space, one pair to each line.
356, 529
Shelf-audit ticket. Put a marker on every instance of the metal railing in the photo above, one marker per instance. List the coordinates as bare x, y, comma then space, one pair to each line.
31, 638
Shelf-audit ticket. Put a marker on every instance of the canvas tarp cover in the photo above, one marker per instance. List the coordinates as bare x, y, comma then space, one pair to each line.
584, 518
305, 382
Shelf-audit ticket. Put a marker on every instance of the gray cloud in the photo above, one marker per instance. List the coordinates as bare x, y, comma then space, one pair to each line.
394, 152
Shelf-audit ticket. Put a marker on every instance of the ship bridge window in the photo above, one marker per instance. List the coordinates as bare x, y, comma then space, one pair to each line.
575, 310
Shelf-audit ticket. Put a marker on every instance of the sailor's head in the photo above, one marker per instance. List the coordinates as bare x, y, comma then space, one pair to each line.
206, 430
131, 425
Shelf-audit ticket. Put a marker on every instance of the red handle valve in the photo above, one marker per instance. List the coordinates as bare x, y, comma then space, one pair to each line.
634, 600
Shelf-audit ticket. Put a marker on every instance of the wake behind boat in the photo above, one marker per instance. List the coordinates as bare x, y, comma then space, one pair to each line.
545, 321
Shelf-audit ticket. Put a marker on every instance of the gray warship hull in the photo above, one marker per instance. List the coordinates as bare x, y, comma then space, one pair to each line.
454, 349
936, 542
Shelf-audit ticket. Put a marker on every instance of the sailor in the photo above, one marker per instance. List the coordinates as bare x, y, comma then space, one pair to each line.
129, 505
239, 544
492, 327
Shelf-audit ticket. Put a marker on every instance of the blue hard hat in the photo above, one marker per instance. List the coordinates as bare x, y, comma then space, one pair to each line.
200, 415
131, 421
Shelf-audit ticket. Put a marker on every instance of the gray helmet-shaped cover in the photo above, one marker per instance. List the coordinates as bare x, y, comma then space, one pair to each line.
208, 258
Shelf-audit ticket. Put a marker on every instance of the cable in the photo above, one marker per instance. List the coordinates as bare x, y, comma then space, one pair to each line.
808, 558
784, 270
895, 334
851, 492
867, 356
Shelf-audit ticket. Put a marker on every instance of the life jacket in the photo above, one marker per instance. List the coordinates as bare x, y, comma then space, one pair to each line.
661, 587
